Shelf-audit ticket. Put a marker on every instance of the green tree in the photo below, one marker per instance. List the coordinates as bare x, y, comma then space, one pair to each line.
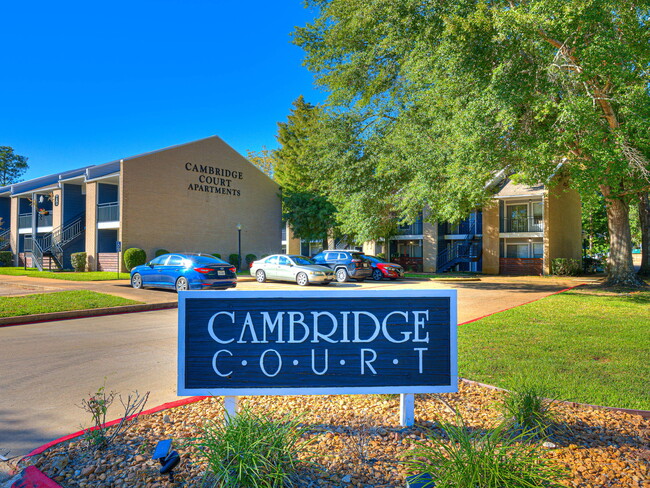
305, 204
12, 166
263, 160
461, 90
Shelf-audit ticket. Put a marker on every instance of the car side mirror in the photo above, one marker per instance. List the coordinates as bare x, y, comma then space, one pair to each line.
150, 265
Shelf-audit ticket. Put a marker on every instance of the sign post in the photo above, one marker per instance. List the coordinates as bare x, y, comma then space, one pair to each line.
235, 343
118, 249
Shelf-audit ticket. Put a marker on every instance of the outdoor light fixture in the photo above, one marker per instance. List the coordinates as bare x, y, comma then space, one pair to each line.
168, 459
40, 199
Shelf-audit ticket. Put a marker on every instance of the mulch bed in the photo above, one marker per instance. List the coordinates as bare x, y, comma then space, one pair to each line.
358, 441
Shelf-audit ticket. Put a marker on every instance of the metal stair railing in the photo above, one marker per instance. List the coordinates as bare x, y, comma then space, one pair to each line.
5, 239
54, 242
32, 246
461, 252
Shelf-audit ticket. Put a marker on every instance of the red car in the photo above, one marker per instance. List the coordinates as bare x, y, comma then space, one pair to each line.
383, 269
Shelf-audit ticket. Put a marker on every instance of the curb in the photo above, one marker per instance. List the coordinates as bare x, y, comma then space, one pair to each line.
91, 312
32, 477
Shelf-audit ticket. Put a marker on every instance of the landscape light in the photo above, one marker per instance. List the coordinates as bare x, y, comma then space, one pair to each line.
168, 459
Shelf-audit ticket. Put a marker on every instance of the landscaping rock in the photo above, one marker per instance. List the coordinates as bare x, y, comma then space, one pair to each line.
357, 441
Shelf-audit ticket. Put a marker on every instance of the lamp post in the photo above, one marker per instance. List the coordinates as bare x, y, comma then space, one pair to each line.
239, 246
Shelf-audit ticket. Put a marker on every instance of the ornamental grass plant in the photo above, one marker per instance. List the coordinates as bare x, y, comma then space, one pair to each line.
528, 409
463, 457
251, 451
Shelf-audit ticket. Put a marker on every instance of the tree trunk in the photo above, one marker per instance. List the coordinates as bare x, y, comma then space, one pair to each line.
620, 270
644, 219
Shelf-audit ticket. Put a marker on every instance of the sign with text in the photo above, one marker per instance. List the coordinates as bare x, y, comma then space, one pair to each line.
236, 343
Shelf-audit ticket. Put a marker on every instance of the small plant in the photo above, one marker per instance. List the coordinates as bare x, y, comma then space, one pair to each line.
250, 258
487, 459
133, 257
251, 450
79, 260
527, 410
566, 267
160, 252
99, 436
216, 255
234, 260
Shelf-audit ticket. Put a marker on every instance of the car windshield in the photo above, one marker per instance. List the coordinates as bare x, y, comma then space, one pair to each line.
303, 260
203, 260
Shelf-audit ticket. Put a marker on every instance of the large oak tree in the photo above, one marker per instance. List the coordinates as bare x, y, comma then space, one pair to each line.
462, 90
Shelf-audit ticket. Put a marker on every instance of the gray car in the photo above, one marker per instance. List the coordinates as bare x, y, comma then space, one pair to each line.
291, 267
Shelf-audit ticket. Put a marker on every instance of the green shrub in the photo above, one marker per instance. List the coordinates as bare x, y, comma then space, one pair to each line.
250, 258
234, 260
566, 267
133, 257
6, 258
527, 409
381, 255
78, 260
216, 255
160, 252
466, 457
251, 450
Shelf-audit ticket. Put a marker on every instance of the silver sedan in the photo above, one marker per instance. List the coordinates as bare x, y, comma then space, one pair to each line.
291, 267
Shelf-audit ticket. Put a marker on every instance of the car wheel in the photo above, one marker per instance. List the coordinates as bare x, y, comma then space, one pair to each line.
301, 279
136, 281
260, 276
341, 275
377, 275
182, 284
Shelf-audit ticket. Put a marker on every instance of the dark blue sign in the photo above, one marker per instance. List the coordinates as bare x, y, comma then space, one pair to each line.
317, 342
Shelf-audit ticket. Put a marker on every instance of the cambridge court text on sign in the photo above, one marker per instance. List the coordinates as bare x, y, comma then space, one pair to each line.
235, 343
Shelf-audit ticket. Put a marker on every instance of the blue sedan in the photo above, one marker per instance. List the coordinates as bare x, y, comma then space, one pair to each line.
185, 272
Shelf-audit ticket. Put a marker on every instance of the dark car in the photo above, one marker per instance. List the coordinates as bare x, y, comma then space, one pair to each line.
185, 272
346, 264
383, 269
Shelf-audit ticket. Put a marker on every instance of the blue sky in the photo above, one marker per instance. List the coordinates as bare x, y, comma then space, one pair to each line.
90, 82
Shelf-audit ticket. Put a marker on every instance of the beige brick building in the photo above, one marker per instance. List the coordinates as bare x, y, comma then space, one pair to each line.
185, 198
521, 231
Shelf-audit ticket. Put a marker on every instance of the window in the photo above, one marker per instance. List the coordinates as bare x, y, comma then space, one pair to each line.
517, 218
272, 260
175, 261
517, 250
284, 261
538, 250
159, 260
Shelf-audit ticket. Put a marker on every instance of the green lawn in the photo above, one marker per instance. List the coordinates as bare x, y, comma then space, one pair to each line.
58, 302
64, 275
587, 346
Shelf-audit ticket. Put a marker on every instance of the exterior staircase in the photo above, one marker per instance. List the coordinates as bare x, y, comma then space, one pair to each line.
465, 251
4, 240
52, 245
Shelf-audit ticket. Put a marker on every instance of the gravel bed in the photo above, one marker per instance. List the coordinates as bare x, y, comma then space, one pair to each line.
357, 441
